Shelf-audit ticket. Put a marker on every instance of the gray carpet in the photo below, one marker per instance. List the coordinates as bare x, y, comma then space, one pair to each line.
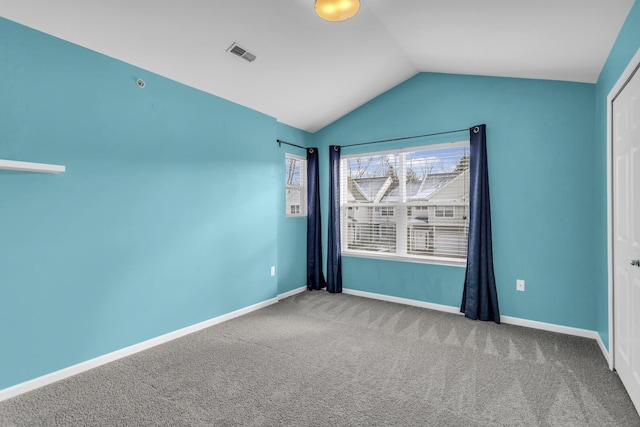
318, 359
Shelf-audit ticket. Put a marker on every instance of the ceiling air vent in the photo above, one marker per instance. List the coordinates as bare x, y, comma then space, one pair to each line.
242, 53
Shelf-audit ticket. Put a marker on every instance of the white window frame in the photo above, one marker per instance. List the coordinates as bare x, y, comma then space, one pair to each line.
460, 212
302, 187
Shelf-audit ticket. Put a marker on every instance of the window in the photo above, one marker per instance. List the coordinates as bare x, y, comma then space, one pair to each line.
296, 185
444, 211
408, 204
385, 211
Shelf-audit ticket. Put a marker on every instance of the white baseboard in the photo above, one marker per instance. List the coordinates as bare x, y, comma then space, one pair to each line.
605, 351
551, 327
35, 383
586, 333
405, 301
291, 293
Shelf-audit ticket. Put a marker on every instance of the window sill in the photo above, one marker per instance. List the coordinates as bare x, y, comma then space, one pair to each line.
407, 258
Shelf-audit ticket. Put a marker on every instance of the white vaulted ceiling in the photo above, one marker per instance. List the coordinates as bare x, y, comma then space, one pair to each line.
310, 72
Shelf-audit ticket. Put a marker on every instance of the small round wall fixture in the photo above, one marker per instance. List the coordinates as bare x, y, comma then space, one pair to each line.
140, 83
337, 10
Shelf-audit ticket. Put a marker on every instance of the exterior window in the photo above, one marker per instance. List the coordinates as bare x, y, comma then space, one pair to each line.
444, 211
386, 211
296, 185
409, 204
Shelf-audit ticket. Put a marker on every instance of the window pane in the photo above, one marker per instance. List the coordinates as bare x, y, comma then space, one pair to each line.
371, 178
295, 185
369, 230
417, 202
293, 200
437, 237
292, 169
428, 171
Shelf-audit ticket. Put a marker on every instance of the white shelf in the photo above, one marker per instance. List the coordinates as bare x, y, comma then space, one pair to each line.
15, 165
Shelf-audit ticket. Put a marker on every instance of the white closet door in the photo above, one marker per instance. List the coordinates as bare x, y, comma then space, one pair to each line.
626, 235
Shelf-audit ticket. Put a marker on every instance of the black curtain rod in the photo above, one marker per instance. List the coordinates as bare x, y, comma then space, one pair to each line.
406, 137
280, 142
385, 140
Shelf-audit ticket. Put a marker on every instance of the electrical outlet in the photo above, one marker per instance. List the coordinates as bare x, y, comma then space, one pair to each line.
520, 285
273, 270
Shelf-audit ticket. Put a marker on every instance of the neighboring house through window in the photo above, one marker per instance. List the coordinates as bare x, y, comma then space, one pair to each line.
409, 204
296, 185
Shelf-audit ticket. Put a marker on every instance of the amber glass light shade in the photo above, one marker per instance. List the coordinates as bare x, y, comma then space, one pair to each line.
337, 10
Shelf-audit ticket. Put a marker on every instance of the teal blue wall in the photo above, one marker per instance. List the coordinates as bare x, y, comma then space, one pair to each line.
164, 218
626, 46
292, 231
542, 154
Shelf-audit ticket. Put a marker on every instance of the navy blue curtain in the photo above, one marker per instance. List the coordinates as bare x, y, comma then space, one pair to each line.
334, 258
479, 298
315, 278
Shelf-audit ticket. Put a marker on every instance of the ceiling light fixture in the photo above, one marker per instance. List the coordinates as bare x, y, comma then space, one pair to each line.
337, 10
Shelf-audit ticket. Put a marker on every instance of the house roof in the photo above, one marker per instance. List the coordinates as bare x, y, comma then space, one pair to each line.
309, 72
456, 189
430, 188
368, 189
